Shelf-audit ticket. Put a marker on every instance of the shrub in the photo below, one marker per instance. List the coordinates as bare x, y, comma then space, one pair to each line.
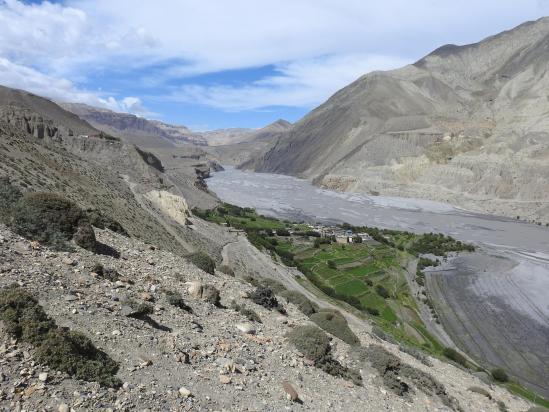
310, 341
282, 232
336, 324
63, 350
244, 311
211, 295
332, 264
202, 261
304, 305
454, 355
315, 345
9, 195
106, 273
226, 270
85, 236
265, 297
138, 309
500, 375
381, 291
100, 221
372, 311
51, 219
396, 374
75, 354
174, 298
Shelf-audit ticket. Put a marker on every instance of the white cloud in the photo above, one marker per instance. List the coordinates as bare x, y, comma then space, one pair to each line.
83, 39
60, 89
302, 83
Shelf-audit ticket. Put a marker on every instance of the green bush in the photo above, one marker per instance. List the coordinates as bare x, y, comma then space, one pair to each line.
85, 236
52, 220
310, 341
106, 273
174, 298
381, 291
100, 221
336, 324
315, 345
62, 350
75, 354
304, 305
500, 375
244, 311
202, 261
9, 195
372, 311
454, 355
265, 297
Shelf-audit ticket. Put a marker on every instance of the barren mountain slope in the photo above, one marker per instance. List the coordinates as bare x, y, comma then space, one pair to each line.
134, 129
156, 134
40, 153
466, 124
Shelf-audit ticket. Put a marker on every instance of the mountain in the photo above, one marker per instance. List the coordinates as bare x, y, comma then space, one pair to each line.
465, 124
141, 312
46, 148
157, 134
135, 129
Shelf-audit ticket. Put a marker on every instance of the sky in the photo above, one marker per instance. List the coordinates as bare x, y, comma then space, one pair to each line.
211, 64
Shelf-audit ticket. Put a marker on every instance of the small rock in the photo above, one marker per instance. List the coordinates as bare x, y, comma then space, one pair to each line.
116, 332
127, 386
63, 408
43, 377
146, 296
224, 379
69, 262
247, 328
184, 392
195, 289
291, 393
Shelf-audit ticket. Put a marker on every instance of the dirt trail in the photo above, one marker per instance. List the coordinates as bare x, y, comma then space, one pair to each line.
243, 256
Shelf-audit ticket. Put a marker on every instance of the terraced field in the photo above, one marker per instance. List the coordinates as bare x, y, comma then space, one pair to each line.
357, 271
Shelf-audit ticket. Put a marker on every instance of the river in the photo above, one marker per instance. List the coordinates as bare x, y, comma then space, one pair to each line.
494, 303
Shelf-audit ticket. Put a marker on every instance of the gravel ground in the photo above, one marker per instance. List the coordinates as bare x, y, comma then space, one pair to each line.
203, 353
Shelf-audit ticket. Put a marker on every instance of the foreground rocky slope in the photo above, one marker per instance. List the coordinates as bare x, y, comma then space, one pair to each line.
466, 124
212, 358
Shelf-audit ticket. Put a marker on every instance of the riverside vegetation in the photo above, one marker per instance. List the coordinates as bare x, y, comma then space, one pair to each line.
367, 275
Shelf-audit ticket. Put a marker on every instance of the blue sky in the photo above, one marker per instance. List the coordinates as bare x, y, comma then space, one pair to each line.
216, 63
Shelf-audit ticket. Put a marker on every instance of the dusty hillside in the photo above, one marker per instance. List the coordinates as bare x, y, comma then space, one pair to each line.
204, 357
466, 124
45, 148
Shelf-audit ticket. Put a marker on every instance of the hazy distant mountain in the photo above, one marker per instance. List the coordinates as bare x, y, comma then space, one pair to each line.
154, 133
135, 129
465, 124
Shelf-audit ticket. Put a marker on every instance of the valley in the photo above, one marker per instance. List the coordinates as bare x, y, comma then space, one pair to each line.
507, 250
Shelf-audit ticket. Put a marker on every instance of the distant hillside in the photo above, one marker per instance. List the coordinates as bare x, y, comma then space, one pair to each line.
465, 124
157, 134
135, 129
